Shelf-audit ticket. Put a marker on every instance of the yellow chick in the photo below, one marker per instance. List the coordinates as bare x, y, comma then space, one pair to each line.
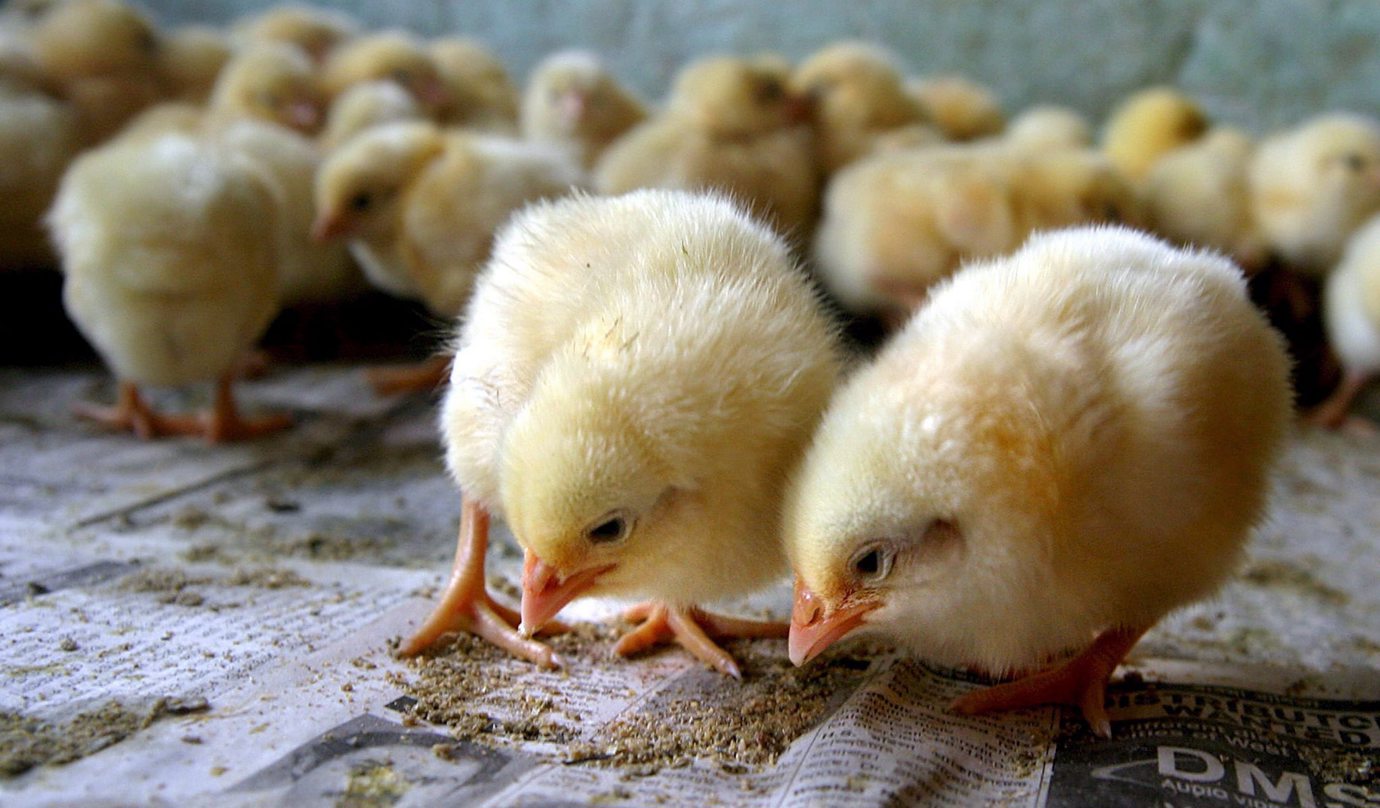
636, 378
1046, 127
574, 102
961, 108
1064, 187
1149, 124
190, 59
1066, 443
731, 126
1312, 186
1200, 194
367, 105
420, 205
1351, 314
168, 273
274, 83
317, 31
390, 56
39, 136
480, 93
857, 95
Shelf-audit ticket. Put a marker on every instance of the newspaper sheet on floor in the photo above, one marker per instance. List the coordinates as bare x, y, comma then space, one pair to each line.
185, 628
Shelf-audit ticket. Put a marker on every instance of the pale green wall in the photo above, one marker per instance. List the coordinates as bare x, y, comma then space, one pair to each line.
1258, 63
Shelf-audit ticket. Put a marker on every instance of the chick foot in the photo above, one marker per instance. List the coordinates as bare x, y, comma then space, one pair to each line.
422, 377
695, 630
132, 413
467, 606
223, 423
1335, 412
1081, 682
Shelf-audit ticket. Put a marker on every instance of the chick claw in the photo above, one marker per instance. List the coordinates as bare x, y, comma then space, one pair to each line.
1081, 682
467, 605
693, 629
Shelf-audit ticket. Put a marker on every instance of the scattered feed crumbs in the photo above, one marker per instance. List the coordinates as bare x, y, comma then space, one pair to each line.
1284, 575
28, 742
174, 585
372, 785
484, 695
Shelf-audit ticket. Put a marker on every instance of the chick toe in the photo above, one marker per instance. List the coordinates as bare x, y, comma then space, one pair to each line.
422, 377
693, 629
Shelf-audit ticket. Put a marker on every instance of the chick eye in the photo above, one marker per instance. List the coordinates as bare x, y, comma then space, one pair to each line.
770, 91
361, 201
1354, 162
611, 528
873, 562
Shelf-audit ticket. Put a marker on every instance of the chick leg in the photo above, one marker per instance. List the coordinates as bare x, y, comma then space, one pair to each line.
693, 628
467, 606
224, 423
419, 378
1334, 412
1082, 682
132, 414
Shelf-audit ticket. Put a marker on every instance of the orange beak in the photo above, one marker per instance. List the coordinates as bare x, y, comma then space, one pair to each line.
327, 227
545, 592
815, 626
572, 108
302, 115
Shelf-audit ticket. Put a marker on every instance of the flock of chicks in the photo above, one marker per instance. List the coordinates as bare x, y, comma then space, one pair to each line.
1058, 445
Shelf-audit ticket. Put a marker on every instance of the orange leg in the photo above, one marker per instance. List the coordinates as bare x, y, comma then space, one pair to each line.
1081, 682
224, 423
467, 606
132, 414
419, 378
1334, 413
693, 629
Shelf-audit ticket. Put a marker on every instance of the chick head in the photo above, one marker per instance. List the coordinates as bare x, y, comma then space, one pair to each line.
1343, 154
476, 80
566, 88
856, 85
733, 97
1147, 125
359, 187
316, 31
389, 56
94, 38
913, 513
192, 58
271, 82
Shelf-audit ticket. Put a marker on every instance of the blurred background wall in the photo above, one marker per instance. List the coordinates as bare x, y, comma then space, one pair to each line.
1260, 64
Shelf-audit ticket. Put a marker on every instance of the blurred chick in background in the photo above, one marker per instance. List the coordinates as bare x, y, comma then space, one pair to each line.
1351, 313
857, 96
190, 59
574, 102
1067, 443
420, 205
169, 274
961, 108
730, 125
480, 95
636, 378
389, 56
1147, 125
315, 30
1046, 126
367, 105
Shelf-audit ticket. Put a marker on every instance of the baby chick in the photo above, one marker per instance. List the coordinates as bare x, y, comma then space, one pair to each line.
961, 108
1313, 185
730, 126
274, 83
1068, 442
1200, 194
1149, 124
421, 204
316, 31
480, 93
39, 137
636, 377
574, 102
1045, 127
168, 273
367, 105
190, 59
391, 56
1351, 313
857, 95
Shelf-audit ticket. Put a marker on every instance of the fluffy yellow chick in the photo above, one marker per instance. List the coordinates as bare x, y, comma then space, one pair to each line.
1351, 313
390, 56
1045, 127
1200, 194
961, 108
480, 93
274, 83
1068, 442
857, 96
731, 126
104, 56
190, 59
1063, 187
39, 137
366, 105
1312, 186
636, 378
168, 273
421, 204
574, 102
317, 31
1149, 124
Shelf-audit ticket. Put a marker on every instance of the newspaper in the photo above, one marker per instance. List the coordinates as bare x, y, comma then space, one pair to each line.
212, 626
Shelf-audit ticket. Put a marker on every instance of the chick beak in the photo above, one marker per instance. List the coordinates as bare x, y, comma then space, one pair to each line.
327, 227
302, 115
545, 592
816, 625
572, 108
